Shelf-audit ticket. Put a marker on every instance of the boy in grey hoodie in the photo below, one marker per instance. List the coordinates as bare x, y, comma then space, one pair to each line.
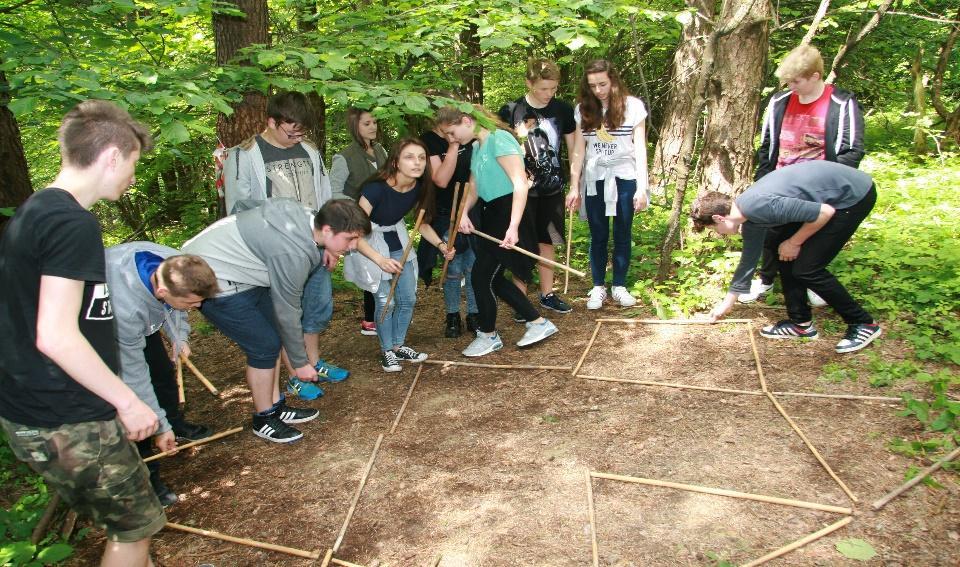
262, 258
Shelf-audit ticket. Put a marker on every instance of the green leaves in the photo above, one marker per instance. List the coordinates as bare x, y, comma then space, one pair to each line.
854, 548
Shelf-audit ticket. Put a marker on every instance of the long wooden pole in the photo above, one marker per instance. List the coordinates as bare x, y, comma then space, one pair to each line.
800, 542
725, 492
456, 210
674, 321
593, 521
41, 528
356, 496
593, 337
838, 396
756, 357
530, 254
214, 437
203, 379
245, 541
403, 264
403, 406
671, 385
343, 563
507, 366
566, 275
915, 480
181, 395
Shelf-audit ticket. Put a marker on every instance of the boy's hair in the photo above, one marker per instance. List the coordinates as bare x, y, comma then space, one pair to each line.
353, 125
95, 125
591, 109
706, 205
542, 70
187, 274
802, 62
292, 107
342, 215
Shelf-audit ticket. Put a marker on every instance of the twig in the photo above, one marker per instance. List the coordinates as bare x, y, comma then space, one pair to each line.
356, 496
336, 561
327, 558
508, 366
671, 385
673, 321
407, 399
756, 356
194, 444
915, 480
530, 254
593, 520
583, 356
455, 213
800, 542
203, 379
68, 524
245, 541
403, 264
838, 396
48, 513
566, 275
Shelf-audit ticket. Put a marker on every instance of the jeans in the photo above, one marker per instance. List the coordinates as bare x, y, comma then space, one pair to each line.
600, 232
317, 302
461, 267
392, 332
247, 318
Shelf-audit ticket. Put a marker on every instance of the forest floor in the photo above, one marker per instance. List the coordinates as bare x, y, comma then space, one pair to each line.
487, 467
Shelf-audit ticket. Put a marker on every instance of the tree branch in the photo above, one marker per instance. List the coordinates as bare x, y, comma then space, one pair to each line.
13, 8
817, 18
852, 43
945, 49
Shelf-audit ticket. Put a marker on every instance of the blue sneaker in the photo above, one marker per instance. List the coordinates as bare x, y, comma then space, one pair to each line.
327, 372
303, 390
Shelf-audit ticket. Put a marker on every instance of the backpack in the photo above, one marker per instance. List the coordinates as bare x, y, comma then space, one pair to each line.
540, 158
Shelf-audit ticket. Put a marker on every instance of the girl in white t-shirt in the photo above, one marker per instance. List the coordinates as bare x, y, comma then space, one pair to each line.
608, 171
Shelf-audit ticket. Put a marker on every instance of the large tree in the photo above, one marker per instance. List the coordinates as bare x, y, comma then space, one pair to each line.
233, 32
15, 187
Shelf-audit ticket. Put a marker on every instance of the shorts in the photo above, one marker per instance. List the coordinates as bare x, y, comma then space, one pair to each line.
548, 219
96, 470
317, 303
247, 318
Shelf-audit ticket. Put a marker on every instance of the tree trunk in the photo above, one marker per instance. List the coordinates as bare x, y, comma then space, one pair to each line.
679, 105
14, 173
471, 60
815, 24
230, 35
733, 95
952, 119
919, 104
851, 43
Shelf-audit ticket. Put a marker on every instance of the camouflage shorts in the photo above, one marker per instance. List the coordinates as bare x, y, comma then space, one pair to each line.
96, 470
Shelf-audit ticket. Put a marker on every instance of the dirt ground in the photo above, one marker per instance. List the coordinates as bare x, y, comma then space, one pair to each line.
488, 467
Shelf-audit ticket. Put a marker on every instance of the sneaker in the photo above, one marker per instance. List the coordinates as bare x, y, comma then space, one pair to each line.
483, 344
815, 300
858, 336
536, 332
553, 302
473, 322
596, 297
166, 496
390, 362
272, 428
303, 390
296, 415
407, 354
518, 318
787, 329
454, 326
757, 290
327, 372
622, 296
368, 328
186, 431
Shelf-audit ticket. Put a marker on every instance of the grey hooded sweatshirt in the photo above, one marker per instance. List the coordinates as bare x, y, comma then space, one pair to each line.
268, 246
138, 314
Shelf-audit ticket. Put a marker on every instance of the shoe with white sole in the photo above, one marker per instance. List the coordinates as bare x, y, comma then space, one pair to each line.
622, 296
757, 290
596, 296
536, 332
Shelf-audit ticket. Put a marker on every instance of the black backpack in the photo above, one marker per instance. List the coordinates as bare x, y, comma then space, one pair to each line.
540, 159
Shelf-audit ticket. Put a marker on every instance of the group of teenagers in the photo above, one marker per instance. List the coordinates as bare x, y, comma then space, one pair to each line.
84, 371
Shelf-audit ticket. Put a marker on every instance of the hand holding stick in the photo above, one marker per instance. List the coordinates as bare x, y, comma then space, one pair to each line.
531, 254
454, 225
403, 263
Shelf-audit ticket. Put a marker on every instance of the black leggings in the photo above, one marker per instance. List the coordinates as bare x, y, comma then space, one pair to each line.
164, 380
369, 305
489, 284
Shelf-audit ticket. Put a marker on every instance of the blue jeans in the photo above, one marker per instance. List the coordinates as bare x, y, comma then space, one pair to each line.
600, 232
460, 268
317, 302
247, 318
392, 332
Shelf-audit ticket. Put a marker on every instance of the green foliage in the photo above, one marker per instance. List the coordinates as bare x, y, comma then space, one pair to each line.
879, 372
939, 414
855, 548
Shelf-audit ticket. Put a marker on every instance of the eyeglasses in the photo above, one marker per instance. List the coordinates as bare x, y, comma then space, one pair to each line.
294, 136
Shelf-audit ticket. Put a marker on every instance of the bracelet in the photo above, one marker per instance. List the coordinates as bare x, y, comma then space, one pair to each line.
441, 242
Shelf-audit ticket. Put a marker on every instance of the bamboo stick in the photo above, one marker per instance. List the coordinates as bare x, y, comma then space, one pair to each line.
41, 528
810, 446
593, 521
593, 337
213, 437
800, 542
356, 496
407, 399
245, 541
670, 385
456, 211
403, 263
725, 492
674, 321
326, 558
436, 562
756, 356
336, 561
566, 275
838, 396
507, 366
531, 254
203, 379
181, 396
915, 480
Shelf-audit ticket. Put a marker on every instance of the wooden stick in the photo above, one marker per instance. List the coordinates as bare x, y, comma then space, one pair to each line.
68, 524
403, 264
725, 492
336, 561
566, 275
436, 561
181, 396
356, 496
810, 446
407, 399
593, 521
456, 211
915, 480
583, 356
245, 541
194, 444
838, 396
327, 558
530, 254
508, 366
674, 321
756, 357
800, 542
203, 379
41, 529
671, 385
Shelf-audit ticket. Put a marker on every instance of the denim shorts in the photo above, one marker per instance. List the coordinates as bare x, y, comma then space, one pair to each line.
317, 302
247, 318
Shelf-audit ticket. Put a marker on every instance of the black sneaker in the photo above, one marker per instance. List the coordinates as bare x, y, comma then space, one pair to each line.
407, 354
186, 431
553, 302
454, 328
858, 336
473, 322
390, 362
288, 414
787, 329
272, 428
518, 318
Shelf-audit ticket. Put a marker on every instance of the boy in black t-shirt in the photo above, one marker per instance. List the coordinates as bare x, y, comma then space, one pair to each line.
540, 120
64, 409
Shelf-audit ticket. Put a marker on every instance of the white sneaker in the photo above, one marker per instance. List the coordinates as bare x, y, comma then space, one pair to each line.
622, 296
536, 332
815, 300
757, 290
596, 297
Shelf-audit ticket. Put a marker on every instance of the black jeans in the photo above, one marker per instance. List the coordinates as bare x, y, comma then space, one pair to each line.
164, 380
489, 284
809, 269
